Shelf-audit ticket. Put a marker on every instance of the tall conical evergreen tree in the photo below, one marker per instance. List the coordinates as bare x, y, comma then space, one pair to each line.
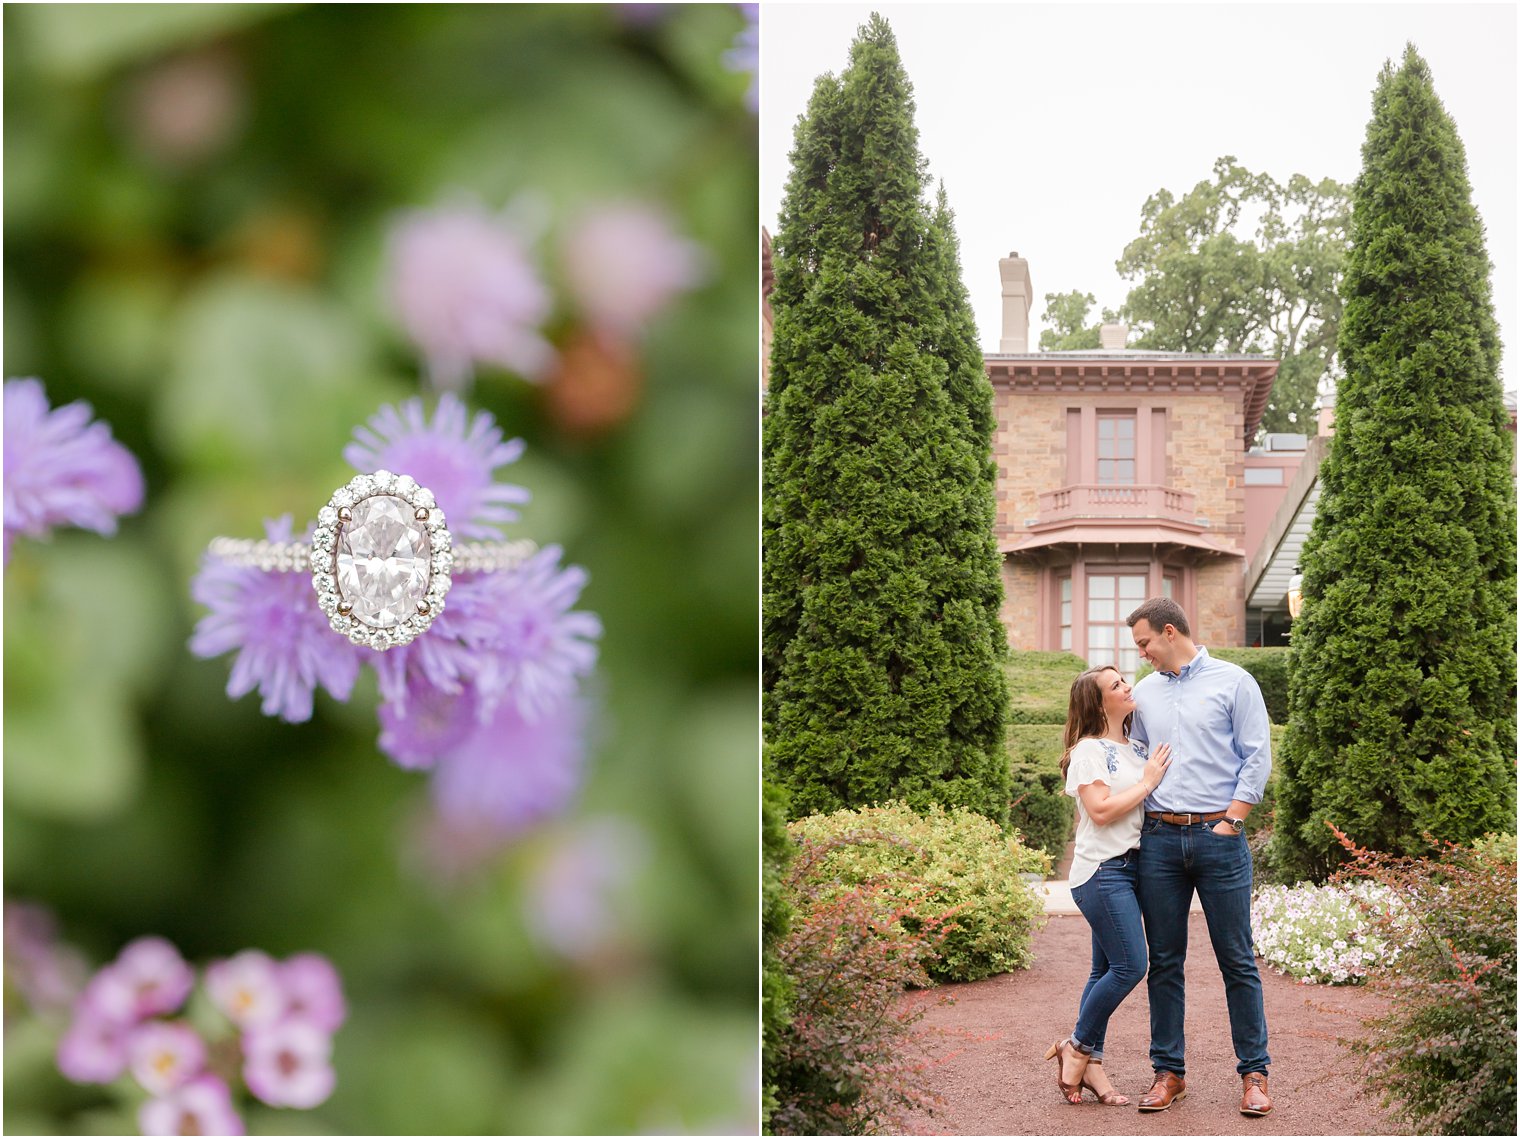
882, 647
1402, 683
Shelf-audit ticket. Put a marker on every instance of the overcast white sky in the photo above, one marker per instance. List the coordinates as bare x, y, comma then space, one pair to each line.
1051, 124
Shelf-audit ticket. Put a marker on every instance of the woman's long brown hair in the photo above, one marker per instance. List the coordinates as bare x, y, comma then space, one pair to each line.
1084, 715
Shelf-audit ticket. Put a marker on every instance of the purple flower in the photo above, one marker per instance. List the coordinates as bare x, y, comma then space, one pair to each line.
163, 1056
512, 772
455, 457
62, 469
512, 635
429, 724
94, 1049
46, 973
148, 978
247, 988
572, 897
201, 1107
624, 262
467, 293
287, 1065
745, 54
313, 991
283, 643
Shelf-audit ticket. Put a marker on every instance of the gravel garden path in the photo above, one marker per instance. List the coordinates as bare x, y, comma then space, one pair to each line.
995, 1083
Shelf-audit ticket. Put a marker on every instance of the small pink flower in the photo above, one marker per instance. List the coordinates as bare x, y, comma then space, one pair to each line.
625, 262
287, 1065
313, 991
93, 1050
466, 292
163, 1056
201, 1107
247, 988
148, 978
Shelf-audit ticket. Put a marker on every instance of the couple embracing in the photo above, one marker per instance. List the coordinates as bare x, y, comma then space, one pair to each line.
1164, 775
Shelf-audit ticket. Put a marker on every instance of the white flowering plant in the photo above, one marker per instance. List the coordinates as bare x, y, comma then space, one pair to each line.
1323, 934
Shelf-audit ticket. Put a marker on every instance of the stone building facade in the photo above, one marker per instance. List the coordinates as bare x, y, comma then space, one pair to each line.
1121, 476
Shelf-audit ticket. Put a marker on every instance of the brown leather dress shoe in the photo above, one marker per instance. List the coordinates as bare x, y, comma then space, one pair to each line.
1165, 1090
1254, 1099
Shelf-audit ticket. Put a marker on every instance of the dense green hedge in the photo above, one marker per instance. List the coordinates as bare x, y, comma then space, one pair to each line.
1039, 686
1270, 668
1041, 811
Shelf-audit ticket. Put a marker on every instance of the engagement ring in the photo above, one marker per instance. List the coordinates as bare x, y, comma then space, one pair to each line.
380, 559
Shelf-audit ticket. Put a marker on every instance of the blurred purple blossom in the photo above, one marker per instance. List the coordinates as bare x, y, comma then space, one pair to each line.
512, 772
93, 1050
287, 1064
201, 1107
745, 54
624, 262
313, 991
162, 1055
284, 646
43, 971
467, 293
61, 468
572, 895
148, 978
455, 457
246, 988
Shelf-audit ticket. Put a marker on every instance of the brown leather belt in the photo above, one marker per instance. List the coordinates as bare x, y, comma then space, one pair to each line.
1186, 820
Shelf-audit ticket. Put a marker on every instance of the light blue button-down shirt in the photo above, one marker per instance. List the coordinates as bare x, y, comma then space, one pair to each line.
1213, 715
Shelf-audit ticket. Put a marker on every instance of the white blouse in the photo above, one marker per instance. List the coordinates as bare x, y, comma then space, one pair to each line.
1120, 766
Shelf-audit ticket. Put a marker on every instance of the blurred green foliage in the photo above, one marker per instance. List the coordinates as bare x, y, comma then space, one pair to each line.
196, 199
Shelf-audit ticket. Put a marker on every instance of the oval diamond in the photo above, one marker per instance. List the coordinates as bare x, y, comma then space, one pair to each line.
384, 564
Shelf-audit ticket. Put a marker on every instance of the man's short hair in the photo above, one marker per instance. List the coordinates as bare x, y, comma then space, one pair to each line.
1159, 612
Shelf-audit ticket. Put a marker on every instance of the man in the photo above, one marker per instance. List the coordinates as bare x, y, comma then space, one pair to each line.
1193, 838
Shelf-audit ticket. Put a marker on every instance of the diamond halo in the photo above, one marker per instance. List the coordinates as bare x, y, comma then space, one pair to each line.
381, 556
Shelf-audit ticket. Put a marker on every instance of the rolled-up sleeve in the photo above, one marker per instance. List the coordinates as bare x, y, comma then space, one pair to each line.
1253, 736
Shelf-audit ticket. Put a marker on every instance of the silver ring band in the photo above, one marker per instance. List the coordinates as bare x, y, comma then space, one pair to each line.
295, 557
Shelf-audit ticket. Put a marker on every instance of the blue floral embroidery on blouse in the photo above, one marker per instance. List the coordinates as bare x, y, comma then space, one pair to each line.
1110, 757
1142, 749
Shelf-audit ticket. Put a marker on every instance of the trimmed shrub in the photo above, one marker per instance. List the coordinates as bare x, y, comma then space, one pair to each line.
776, 988
1443, 1054
848, 1060
955, 867
1039, 685
1402, 685
1270, 668
1041, 810
881, 647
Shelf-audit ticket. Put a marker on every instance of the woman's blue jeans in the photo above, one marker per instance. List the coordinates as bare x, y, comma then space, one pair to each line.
1110, 902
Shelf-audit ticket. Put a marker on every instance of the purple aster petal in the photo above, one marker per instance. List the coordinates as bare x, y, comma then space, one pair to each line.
201, 1107
513, 772
624, 262
313, 991
527, 647
286, 1065
62, 469
455, 457
284, 644
466, 292
429, 724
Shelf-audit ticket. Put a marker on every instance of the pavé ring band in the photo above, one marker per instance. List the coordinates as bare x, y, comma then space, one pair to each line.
381, 558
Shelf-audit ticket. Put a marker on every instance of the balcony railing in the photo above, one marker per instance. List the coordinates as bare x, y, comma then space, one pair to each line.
1089, 500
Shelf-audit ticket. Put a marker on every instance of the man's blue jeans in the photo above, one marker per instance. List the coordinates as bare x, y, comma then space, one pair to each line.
1109, 903
1175, 861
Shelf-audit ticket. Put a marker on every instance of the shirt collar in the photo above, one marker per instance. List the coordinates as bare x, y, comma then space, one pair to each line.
1200, 658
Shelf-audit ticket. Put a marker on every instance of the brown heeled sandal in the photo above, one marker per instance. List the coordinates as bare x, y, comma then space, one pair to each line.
1107, 1099
1072, 1093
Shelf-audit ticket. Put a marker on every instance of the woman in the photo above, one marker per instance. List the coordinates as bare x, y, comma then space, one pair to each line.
1109, 777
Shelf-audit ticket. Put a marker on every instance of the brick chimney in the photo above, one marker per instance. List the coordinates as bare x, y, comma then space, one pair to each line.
1113, 337
1018, 294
